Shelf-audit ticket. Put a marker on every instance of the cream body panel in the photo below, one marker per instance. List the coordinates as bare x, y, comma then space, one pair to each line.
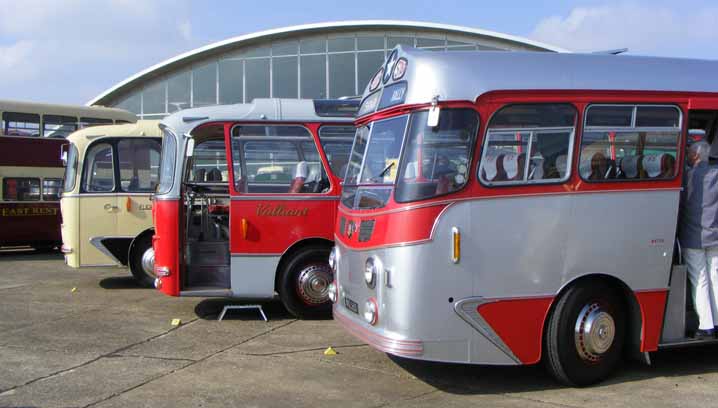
69, 206
98, 218
139, 217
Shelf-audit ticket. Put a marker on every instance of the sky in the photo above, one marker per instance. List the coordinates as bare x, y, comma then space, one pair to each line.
69, 51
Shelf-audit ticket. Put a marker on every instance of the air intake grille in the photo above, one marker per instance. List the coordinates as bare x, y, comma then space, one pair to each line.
366, 228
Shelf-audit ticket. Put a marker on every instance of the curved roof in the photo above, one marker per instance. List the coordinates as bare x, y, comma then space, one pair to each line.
466, 75
234, 42
141, 128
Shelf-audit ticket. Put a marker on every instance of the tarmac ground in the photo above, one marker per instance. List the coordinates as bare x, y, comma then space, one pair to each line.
108, 343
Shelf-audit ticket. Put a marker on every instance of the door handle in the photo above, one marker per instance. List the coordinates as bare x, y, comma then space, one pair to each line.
109, 207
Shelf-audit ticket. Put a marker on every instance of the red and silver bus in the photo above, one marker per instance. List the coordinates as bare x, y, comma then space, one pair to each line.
507, 208
31, 138
247, 199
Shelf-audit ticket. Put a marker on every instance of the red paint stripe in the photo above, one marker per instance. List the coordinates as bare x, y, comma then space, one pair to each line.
519, 323
653, 306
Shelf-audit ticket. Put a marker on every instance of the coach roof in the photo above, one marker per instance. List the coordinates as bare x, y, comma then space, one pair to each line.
259, 110
466, 75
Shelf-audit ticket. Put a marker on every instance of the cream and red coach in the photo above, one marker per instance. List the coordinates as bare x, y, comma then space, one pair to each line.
507, 207
247, 200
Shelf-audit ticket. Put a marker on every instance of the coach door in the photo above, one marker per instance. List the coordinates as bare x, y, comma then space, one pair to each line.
98, 203
281, 195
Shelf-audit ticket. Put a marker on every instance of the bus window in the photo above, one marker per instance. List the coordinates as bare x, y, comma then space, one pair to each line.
21, 124
70, 169
58, 126
640, 144
139, 164
209, 163
276, 159
528, 144
21, 189
87, 122
337, 144
51, 189
99, 174
436, 159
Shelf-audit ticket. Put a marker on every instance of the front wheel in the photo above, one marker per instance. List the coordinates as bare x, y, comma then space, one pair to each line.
142, 261
304, 283
585, 334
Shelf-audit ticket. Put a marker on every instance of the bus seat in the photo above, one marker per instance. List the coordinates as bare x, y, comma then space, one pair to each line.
536, 168
599, 167
493, 169
214, 175
652, 164
668, 166
199, 175
301, 172
630, 166
514, 166
561, 165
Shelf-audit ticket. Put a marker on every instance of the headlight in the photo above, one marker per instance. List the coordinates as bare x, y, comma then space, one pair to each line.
332, 292
371, 270
333, 259
371, 311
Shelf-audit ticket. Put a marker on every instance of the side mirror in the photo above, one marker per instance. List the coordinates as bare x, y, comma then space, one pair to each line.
63, 154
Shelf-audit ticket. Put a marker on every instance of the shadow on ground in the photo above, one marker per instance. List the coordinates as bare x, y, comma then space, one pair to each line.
120, 282
27, 254
209, 309
467, 379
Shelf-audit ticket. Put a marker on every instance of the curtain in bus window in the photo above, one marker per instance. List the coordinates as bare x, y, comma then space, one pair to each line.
21, 124
139, 164
630, 142
56, 126
528, 143
21, 189
99, 174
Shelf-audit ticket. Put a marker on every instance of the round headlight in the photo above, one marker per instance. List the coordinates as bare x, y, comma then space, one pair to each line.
333, 259
332, 292
370, 271
370, 311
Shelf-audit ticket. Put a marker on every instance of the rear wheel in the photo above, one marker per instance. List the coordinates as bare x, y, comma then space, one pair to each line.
142, 261
585, 334
304, 282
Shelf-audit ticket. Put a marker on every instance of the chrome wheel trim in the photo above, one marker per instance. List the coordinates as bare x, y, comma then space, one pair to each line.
313, 284
148, 262
595, 332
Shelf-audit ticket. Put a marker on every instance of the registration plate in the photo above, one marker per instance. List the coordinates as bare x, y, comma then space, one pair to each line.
351, 305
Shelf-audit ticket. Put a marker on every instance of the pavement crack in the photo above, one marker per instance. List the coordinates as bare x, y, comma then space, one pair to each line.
193, 362
279, 353
412, 398
151, 357
557, 404
88, 362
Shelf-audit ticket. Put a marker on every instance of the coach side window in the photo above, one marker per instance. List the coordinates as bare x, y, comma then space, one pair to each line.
139, 164
99, 174
630, 142
528, 144
21, 189
21, 124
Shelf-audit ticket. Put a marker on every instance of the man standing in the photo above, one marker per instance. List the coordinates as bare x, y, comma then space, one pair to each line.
698, 234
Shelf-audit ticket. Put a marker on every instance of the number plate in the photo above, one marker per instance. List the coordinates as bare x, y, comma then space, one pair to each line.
351, 305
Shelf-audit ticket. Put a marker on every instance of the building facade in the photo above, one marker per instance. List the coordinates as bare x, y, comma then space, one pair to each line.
316, 61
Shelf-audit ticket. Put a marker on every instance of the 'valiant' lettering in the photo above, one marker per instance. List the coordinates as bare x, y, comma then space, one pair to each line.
267, 210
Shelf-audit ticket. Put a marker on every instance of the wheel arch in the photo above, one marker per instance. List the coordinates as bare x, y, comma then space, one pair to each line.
142, 235
634, 317
293, 249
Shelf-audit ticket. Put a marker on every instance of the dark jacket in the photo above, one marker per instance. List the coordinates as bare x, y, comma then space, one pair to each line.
698, 222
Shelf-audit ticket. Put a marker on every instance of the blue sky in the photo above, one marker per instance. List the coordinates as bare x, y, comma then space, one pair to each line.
68, 51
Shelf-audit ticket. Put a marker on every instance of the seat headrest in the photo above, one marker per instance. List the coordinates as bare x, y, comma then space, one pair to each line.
314, 174
490, 165
536, 166
302, 170
629, 166
652, 164
561, 164
511, 165
584, 167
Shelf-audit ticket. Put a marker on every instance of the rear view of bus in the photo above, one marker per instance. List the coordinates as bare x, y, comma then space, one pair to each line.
247, 200
507, 208
110, 174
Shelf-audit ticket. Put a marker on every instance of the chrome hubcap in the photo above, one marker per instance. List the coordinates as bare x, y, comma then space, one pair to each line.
595, 332
148, 262
313, 284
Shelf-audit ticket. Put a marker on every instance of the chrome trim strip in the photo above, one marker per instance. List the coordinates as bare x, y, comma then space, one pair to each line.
378, 341
385, 246
110, 194
284, 198
467, 309
97, 243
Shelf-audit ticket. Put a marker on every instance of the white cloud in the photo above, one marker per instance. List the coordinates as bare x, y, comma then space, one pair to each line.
68, 51
644, 29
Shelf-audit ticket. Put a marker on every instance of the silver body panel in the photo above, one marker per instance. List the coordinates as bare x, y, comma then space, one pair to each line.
466, 75
512, 247
252, 276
